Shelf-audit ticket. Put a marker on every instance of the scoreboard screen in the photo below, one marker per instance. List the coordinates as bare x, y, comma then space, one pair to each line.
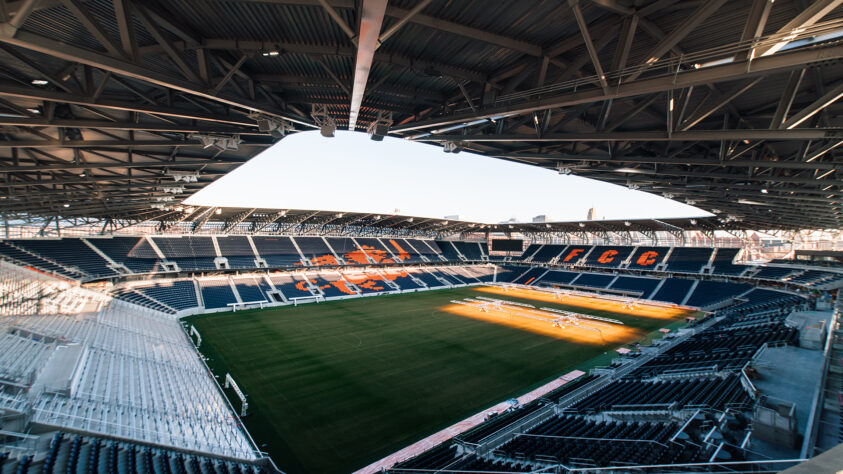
508, 245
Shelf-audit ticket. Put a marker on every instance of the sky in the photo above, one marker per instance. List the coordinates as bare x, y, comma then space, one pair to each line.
351, 173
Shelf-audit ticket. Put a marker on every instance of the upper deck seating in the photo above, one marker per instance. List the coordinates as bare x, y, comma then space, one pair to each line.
723, 262
573, 254
647, 258
688, 259
188, 252
277, 251
530, 251
316, 251
608, 256
547, 253
134, 253
237, 250
69, 252
449, 251
470, 250
375, 250
403, 251
348, 250
26, 258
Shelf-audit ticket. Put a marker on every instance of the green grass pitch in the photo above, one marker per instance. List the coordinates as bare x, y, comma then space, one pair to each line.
335, 386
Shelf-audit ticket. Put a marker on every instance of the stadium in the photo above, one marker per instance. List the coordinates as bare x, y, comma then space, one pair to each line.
149, 329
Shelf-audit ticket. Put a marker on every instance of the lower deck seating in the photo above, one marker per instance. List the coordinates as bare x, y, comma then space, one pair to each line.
216, 293
673, 290
530, 277
402, 279
639, 285
197, 263
714, 392
251, 290
559, 277
331, 284
593, 280
368, 282
428, 278
180, 294
74, 453
711, 292
774, 273
290, 286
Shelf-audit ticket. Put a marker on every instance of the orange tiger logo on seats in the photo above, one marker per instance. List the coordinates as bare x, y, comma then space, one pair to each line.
402, 254
607, 256
647, 258
323, 260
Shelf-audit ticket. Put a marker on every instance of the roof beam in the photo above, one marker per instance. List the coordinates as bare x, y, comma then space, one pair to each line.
111, 143
755, 22
705, 10
787, 98
13, 90
814, 13
713, 74
649, 135
124, 165
84, 16
68, 52
778, 164
729, 96
106, 125
403, 21
816, 106
592, 52
371, 20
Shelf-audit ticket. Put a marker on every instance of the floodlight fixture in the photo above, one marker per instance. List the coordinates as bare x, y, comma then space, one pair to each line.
186, 176
451, 146
173, 189
379, 128
278, 128
327, 124
223, 142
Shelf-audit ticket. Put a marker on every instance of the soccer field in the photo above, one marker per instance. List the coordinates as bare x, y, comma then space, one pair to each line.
335, 386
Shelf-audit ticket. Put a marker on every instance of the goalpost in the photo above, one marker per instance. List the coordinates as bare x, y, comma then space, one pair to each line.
229, 382
194, 332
